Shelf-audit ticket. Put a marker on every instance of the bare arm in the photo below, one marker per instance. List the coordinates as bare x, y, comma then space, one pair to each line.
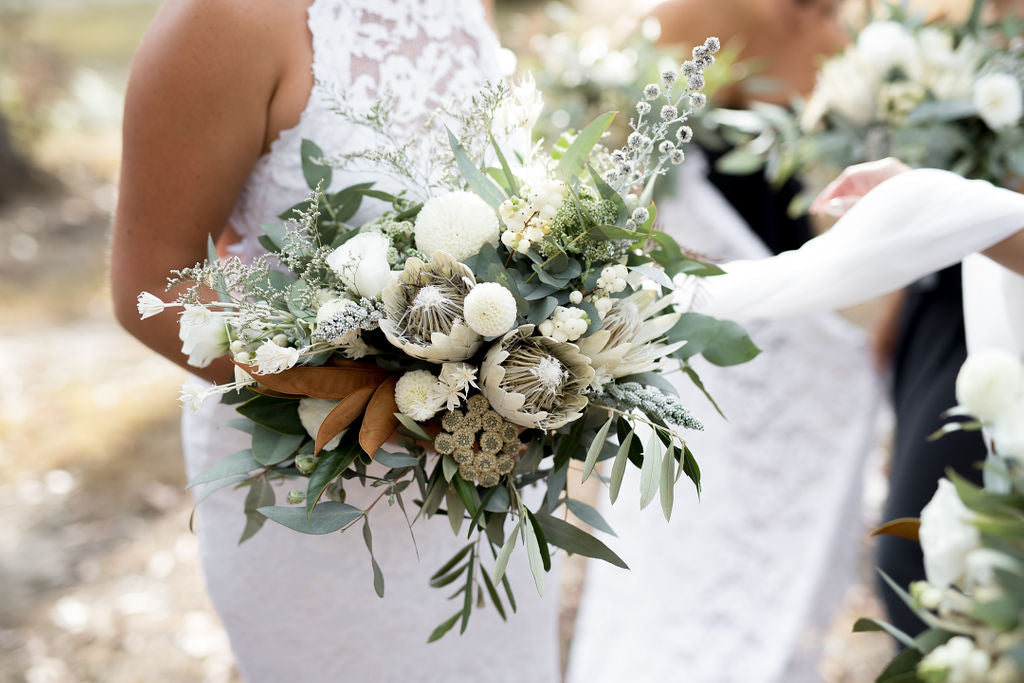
196, 120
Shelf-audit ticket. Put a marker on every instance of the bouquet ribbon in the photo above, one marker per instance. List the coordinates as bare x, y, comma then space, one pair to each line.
360, 388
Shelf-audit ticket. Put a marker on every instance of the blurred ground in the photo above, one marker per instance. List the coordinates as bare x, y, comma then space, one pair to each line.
99, 578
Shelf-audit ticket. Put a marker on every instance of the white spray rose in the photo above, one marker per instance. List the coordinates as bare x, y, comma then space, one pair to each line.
203, 335
946, 536
989, 384
999, 100
457, 223
272, 358
887, 45
312, 412
362, 264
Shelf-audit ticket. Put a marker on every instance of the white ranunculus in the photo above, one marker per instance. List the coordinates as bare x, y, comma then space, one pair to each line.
203, 335
362, 263
887, 45
989, 383
312, 412
416, 395
457, 223
999, 100
149, 305
947, 536
272, 358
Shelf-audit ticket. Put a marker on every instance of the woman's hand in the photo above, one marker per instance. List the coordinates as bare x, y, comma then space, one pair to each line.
853, 183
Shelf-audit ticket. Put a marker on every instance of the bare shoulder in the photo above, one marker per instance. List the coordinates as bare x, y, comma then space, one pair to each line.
688, 22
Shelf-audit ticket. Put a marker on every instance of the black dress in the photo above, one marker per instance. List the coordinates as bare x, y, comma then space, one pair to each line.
929, 352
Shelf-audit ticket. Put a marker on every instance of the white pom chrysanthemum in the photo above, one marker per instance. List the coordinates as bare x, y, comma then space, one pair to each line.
272, 358
416, 395
999, 100
989, 384
458, 223
312, 412
149, 305
490, 309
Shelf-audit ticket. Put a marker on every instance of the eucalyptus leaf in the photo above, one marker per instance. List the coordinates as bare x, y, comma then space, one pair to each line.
270, 447
326, 518
456, 510
278, 414
619, 467
235, 464
595, 448
261, 494
589, 515
414, 428
378, 575
395, 460
574, 540
650, 469
501, 561
314, 170
533, 554
571, 163
667, 484
329, 467
444, 627
477, 180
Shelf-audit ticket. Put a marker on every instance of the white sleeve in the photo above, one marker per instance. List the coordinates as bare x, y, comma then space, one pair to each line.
913, 224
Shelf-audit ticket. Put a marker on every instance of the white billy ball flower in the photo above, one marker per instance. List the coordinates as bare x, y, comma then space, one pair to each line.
999, 100
362, 263
312, 412
989, 384
203, 334
490, 309
458, 223
958, 660
149, 305
546, 328
272, 358
416, 395
575, 296
947, 536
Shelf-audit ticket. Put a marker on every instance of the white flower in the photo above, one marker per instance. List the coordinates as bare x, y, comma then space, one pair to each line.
980, 567
457, 223
521, 109
193, 395
272, 358
416, 394
312, 412
989, 384
946, 536
887, 45
362, 263
1008, 433
150, 305
490, 309
998, 99
203, 334
356, 348
958, 660
846, 86
460, 375
947, 72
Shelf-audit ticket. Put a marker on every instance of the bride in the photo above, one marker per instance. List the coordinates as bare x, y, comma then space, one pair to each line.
221, 94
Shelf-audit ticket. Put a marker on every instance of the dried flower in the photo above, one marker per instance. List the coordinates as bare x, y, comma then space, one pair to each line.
150, 305
272, 358
414, 395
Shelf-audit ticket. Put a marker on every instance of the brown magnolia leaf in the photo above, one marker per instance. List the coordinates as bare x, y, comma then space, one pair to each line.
331, 382
380, 421
904, 527
342, 415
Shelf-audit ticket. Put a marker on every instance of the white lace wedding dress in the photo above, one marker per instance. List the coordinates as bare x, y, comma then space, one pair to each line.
741, 584
302, 608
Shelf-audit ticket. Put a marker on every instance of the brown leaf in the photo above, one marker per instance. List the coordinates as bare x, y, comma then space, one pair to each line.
904, 527
331, 382
380, 421
342, 415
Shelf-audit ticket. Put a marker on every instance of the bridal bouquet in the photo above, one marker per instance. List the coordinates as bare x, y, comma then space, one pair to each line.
973, 598
509, 329
935, 96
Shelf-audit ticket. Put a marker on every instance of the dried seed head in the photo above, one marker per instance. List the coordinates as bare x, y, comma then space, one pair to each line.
452, 420
444, 443
464, 438
490, 442
464, 456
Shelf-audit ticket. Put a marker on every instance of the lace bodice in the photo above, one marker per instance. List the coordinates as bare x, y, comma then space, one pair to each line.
422, 54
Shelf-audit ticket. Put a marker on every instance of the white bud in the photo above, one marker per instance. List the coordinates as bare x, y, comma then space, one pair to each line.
576, 296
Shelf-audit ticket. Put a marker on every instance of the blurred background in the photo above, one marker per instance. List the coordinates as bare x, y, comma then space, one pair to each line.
99, 577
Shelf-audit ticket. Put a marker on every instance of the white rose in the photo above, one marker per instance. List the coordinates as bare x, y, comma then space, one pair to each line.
846, 86
272, 358
458, 223
362, 264
203, 335
885, 45
946, 536
999, 101
312, 412
989, 383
